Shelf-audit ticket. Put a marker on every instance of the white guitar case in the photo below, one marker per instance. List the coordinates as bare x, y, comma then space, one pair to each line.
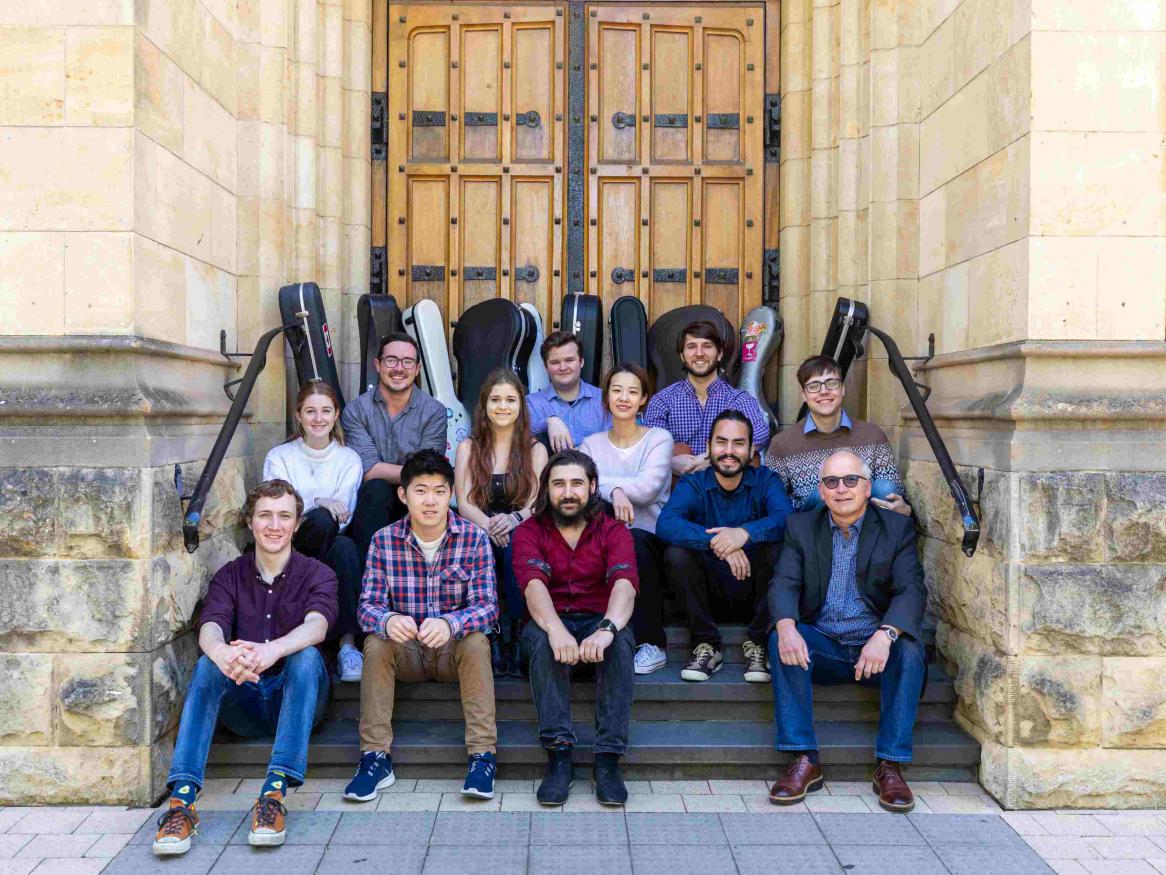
424, 324
536, 371
761, 335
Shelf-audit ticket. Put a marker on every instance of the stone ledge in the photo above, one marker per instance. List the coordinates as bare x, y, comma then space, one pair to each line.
55, 775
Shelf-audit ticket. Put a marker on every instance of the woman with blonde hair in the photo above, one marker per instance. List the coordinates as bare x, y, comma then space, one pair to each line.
326, 474
496, 481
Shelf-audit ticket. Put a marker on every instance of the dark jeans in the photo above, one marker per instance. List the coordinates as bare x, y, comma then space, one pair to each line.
319, 537
287, 704
510, 601
832, 662
648, 617
316, 532
377, 506
550, 685
704, 579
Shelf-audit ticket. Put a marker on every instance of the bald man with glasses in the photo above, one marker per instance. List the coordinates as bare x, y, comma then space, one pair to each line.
847, 599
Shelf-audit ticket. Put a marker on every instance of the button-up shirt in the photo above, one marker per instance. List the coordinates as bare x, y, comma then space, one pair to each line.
379, 437
246, 607
579, 580
845, 615
758, 505
677, 409
583, 417
458, 585
810, 425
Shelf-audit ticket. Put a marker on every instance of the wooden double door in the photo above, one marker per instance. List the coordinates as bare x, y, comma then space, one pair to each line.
536, 150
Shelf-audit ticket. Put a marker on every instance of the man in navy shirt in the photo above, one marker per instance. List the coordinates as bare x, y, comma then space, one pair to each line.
724, 526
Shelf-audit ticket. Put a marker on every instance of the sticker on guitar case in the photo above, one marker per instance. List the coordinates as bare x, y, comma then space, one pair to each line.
752, 335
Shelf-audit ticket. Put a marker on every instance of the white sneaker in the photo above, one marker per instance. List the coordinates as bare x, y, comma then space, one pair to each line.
649, 658
351, 663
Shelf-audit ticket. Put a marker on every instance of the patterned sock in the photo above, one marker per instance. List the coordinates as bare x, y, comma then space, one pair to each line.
275, 785
184, 791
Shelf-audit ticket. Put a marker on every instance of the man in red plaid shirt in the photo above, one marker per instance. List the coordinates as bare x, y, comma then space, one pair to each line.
428, 598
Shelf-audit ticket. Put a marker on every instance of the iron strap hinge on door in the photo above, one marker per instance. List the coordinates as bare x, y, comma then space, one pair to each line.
772, 128
380, 139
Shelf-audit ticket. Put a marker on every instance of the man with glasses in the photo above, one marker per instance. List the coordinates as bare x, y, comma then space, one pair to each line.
796, 454
848, 599
385, 425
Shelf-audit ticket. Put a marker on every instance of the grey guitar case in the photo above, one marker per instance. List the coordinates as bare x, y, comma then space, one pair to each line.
761, 335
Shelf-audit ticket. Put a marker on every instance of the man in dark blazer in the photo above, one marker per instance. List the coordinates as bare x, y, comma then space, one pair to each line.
848, 599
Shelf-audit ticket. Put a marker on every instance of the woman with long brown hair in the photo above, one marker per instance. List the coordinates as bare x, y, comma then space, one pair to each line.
496, 481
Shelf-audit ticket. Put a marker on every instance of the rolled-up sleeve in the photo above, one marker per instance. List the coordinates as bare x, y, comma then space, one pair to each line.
527, 555
621, 555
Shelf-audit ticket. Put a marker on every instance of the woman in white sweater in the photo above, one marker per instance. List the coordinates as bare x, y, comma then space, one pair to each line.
635, 475
326, 474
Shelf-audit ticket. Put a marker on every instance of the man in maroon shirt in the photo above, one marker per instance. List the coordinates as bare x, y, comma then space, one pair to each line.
576, 567
260, 672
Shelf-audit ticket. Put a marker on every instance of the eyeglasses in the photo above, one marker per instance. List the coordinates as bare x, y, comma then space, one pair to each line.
816, 386
850, 480
391, 361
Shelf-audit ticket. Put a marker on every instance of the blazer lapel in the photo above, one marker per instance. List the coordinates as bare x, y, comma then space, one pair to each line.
871, 527
823, 552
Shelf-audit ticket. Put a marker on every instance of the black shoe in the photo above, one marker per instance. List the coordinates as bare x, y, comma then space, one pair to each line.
609, 786
556, 784
498, 656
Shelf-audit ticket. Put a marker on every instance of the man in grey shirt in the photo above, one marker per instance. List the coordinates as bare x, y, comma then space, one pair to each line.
385, 425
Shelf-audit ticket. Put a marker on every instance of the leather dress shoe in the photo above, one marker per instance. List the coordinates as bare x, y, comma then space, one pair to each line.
894, 794
801, 777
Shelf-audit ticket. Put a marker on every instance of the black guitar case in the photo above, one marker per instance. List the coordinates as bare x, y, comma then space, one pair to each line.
629, 332
376, 316
663, 359
582, 315
487, 336
526, 350
311, 345
844, 337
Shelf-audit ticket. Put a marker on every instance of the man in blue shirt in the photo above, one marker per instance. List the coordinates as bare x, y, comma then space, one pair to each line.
724, 527
568, 410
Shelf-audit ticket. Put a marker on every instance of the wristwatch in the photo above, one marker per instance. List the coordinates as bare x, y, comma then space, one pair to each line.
605, 625
890, 632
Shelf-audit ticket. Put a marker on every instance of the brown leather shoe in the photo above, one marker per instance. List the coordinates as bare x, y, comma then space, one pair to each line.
175, 827
801, 777
894, 794
268, 821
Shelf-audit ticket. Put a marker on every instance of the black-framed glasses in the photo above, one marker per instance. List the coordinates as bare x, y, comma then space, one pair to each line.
816, 386
391, 361
850, 480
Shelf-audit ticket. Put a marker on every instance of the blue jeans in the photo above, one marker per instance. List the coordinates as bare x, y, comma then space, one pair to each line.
880, 488
287, 704
832, 662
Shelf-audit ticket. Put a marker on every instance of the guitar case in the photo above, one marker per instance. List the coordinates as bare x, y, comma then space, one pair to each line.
311, 343
761, 335
376, 316
424, 324
629, 332
522, 355
487, 336
536, 377
844, 337
582, 315
663, 360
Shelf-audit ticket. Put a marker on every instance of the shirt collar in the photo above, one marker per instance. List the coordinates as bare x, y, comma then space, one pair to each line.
747, 480
715, 387
378, 398
586, 390
253, 566
856, 525
403, 529
812, 426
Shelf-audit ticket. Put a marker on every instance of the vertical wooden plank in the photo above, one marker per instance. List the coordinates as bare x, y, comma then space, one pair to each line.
380, 72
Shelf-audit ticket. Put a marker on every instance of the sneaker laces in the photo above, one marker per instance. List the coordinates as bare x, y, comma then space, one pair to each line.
647, 653
266, 809
703, 651
172, 820
479, 764
368, 762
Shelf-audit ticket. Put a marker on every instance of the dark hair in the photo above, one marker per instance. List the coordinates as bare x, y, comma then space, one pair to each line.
626, 368
423, 463
397, 337
702, 329
275, 488
817, 366
556, 339
542, 504
520, 479
731, 415
317, 387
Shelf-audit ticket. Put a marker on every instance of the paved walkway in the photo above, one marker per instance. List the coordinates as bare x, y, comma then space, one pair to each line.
672, 827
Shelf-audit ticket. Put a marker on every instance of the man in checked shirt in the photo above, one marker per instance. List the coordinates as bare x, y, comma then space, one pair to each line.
428, 598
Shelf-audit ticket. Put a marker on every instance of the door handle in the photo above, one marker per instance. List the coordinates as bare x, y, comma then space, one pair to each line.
530, 119
527, 274
622, 275
623, 120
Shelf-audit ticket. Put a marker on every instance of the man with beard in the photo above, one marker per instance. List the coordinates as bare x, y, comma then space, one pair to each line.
724, 527
576, 567
385, 425
688, 407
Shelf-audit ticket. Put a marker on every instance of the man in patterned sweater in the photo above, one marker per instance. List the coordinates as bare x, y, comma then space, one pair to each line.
796, 454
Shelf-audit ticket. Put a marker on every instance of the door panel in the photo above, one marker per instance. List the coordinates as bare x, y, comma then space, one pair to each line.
722, 227
427, 219
480, 265
618, 256
619, 92
429, 95
481, 93
671, 248
671, 115
532, 244
722, 73
532, 111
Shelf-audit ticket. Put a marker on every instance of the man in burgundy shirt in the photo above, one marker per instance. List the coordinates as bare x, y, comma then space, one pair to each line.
576, 567
260, 672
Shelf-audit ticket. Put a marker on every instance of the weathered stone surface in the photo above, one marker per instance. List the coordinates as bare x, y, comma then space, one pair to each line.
1061, 516
1134, 702
102, 700
971, 594
1135, 517
101, 513
28, 524
170, 671
220, 513
1107, 609
178, 582
936, 512
1058, 701
63, 606
981, 680
161, 754
26, 713
54, 775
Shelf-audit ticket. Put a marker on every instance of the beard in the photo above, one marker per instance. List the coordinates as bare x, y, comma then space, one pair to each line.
567, 515
700, 371
723, 465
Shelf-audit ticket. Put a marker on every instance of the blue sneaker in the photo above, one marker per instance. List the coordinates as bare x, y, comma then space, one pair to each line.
480, 776
374, 774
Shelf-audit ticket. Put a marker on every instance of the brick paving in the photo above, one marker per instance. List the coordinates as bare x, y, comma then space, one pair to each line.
668, 827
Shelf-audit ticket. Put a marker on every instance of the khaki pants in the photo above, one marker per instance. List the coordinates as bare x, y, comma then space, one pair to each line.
466, 662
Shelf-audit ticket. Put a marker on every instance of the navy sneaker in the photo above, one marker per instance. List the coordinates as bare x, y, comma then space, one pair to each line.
480, 776
374, 774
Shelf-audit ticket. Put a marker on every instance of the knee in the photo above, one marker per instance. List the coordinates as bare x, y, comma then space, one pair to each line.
474, 646
206, 673
881, 487
678, 557
377, 491
624, 643
305, 665
536, 639
909, 652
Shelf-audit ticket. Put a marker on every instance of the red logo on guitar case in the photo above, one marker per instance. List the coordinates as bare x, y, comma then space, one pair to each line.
328, 341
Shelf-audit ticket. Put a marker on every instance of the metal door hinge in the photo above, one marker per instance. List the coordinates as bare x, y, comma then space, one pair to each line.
380, 140
378, 272
772, 128
771, 278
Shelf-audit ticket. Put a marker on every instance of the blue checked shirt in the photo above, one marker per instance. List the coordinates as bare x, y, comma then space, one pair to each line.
677, 409
845, 616
584, 416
